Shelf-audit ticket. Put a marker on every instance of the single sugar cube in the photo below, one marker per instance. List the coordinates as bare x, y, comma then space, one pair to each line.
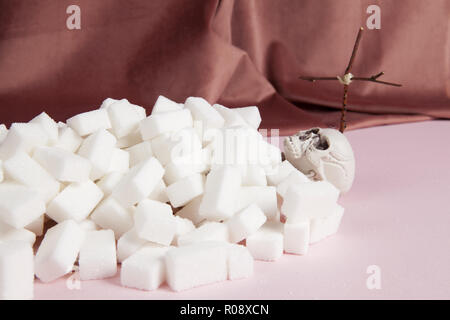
58, 250
120, 161
138, 183
202, 110
196, 265
250, 115
109, 181
309, 200
75, 202
264, 197
16, 271
184, 226
89, 122
184, 190
21, 168
98, 148
267, 243
125, 117
159, 193
164, 104
296, 237
107, 102
140, 152
231, 117
37, 226
19, 205
210, 231
221, 193
191, 211
280, 173
321, 228
63, 165
128, 244
109, 214
48, 125
98, 255
245, 223
293, 179
145, 269
68, 139
23, 136
240, 262
154, 222
165, 122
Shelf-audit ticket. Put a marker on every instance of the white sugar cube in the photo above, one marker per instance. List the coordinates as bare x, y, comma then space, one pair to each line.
139, 152
245, 223
159, 193
145, 269
8, 233
109, 214
68, 139
191, 211
250, 115
195, 265
58, 250
184, 190
154, 222
48, 125
21, 168
98, 149
240, 262
221, 193
254, 175
280, 173
293, 179
23, 136
16, 271
309, 200
164, 104
138, 183
170, 147
128, 244
120, 161
125, 117
129, 140
3, 132
165, 122
296, 237
89, 122
326, 226
267, 243
231, 117
264, 197
63, 165
109, 181
37, 226
109, 101
184, 226
182, 167
210, 231
88, 225
19, 205
98, 255
75, 202
202, 110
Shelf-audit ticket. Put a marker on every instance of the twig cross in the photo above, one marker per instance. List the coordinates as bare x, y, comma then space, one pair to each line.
347, 78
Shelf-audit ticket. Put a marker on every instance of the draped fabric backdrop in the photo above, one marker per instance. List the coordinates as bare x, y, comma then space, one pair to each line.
237, 53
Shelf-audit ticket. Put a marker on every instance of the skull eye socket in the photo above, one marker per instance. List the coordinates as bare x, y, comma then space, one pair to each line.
322, 144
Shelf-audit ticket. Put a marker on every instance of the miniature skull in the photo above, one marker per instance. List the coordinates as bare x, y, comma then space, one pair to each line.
322, 154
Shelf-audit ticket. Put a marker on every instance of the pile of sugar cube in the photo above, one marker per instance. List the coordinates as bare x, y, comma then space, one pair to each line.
190, 195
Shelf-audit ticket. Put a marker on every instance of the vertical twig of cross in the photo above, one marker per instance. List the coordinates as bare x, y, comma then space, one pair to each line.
347, 78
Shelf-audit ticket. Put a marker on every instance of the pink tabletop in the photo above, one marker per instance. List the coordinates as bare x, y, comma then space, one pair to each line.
397, 217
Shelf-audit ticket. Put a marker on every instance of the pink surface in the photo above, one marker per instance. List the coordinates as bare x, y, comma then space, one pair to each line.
397, 216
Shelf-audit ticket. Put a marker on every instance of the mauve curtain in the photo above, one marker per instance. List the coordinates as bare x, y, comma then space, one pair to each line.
241, 52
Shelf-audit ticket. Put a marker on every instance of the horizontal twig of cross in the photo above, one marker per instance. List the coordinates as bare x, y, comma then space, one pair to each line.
347, 78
